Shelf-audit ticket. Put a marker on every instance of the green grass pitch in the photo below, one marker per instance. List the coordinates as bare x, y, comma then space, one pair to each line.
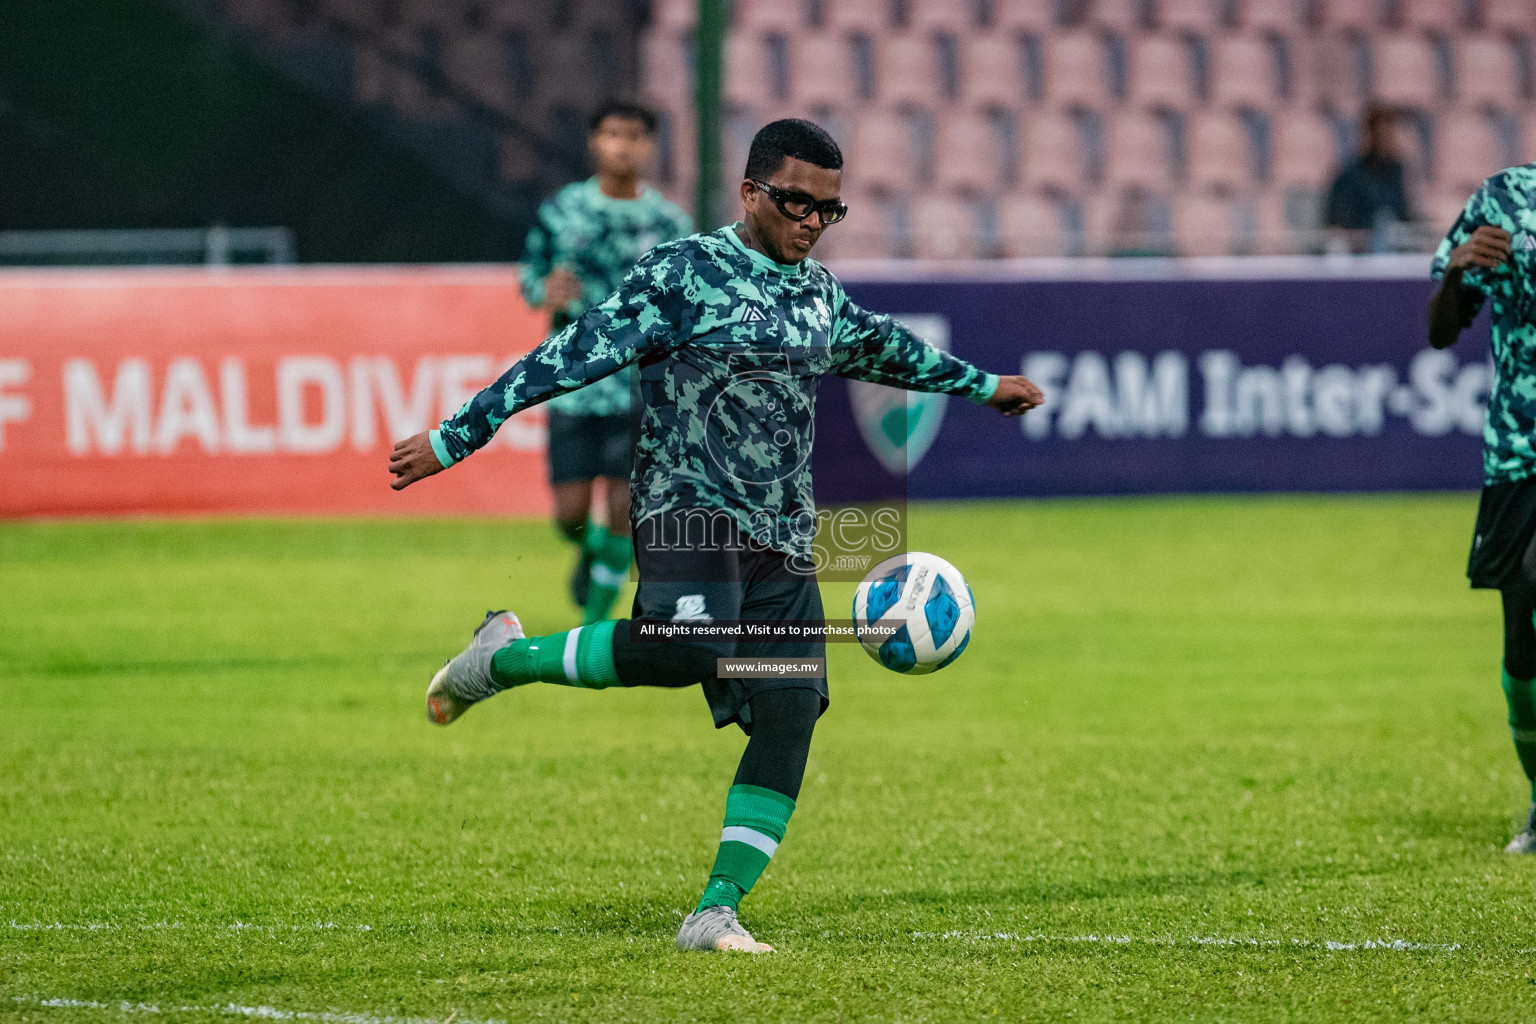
1205, 759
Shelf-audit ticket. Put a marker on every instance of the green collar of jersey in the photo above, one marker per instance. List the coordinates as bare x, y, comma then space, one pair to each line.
759, 259
601, 198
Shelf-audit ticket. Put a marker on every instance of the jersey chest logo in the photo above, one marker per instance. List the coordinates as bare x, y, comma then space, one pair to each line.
753, 315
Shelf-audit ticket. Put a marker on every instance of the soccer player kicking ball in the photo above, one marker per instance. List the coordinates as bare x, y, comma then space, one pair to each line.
1490, 254
732, 331
582, 244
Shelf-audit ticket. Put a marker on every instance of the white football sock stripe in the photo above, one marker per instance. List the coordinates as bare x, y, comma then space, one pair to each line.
568, 661
751, 836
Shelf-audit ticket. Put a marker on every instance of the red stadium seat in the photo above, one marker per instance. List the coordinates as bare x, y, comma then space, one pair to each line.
1243, 72
1030, 225
1509, 16
1360, 14
1466, 150
991, 70
908, 69
823, 70
1028, 15
746, 70
857, 15
1303, 148
1160, 73
1487, 71
863, 234
1218, 152
1272, 15
967, 154
1075, 70
1136, 150
944, 228
882, 156
938, 15
1050, 152
1117, 15
1328, 71
1202, 225
676, 15
1407, 74
666, 79
1202, 16
1431, 15
766, 16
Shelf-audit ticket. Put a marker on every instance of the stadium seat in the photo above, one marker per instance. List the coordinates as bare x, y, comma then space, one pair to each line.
1442, 207
823, 70
1509, 16
566, 51
1050, 152
1487, 71
1431, 15
1359, 14
766, 16
1026, 15
1075, 71
967, 157
943, 228
1202, 225
1333, 69
856, 15
1466, 150
882, 156
1160, 72
1219, 152
1130, 221
1136, 151
862, 235
666, 78
1285, 16
957, 16
1527, 136
991, 70
1030, 225
672, 15
1407, 72
747, 78
908, 69
1304, 150
1243, 72
1287, 222
1125, 16
419, 14
1201, 16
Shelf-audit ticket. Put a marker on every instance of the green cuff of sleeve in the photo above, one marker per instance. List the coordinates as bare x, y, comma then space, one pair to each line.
986, 389
439, 449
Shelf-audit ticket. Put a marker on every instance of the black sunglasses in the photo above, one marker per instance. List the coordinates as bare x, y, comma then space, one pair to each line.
797, 206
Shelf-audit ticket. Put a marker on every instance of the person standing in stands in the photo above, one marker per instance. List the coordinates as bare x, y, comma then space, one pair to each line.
1368, 198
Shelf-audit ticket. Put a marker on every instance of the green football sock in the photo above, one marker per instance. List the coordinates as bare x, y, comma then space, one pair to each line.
1520, 694
578, 657
610, 568
755, 819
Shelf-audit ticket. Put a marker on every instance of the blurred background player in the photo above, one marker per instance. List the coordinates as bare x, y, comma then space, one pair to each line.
584, 241
734, 329
1488, 255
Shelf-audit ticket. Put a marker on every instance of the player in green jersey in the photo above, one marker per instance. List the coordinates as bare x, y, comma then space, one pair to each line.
586, 238
1490, 257
732, 331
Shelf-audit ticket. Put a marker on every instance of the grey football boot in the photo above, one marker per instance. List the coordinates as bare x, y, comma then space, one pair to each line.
1525, 842
716, 928
466, 679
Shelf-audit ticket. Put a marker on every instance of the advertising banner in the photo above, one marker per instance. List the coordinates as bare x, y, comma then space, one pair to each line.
1171, 385
255, 391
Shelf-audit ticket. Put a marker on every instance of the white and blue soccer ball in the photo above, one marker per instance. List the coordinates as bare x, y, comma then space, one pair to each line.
927, 603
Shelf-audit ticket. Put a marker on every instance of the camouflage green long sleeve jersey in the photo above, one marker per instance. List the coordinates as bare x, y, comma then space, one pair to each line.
599, 238
731, 346
1507, 200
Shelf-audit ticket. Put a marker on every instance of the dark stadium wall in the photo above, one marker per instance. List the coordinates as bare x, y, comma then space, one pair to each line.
133, 115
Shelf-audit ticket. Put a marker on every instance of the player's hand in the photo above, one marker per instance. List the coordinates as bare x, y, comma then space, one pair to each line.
561, 288
1488, 247
413, 459
1015, 396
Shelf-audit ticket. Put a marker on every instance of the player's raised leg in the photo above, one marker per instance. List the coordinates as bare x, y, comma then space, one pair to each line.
467, 678
1520, 695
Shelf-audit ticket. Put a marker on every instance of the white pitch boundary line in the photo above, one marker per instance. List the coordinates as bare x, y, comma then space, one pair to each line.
254, 1012
159, 926
1389, 945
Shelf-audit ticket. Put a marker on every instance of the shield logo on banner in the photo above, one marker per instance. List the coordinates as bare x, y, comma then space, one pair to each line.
900, 426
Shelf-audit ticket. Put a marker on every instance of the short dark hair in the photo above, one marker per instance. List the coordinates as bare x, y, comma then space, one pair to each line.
795, 138
627, 111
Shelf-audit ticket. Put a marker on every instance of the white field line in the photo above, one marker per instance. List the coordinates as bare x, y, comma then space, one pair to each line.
253, 1012
162, 926
1390, 945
